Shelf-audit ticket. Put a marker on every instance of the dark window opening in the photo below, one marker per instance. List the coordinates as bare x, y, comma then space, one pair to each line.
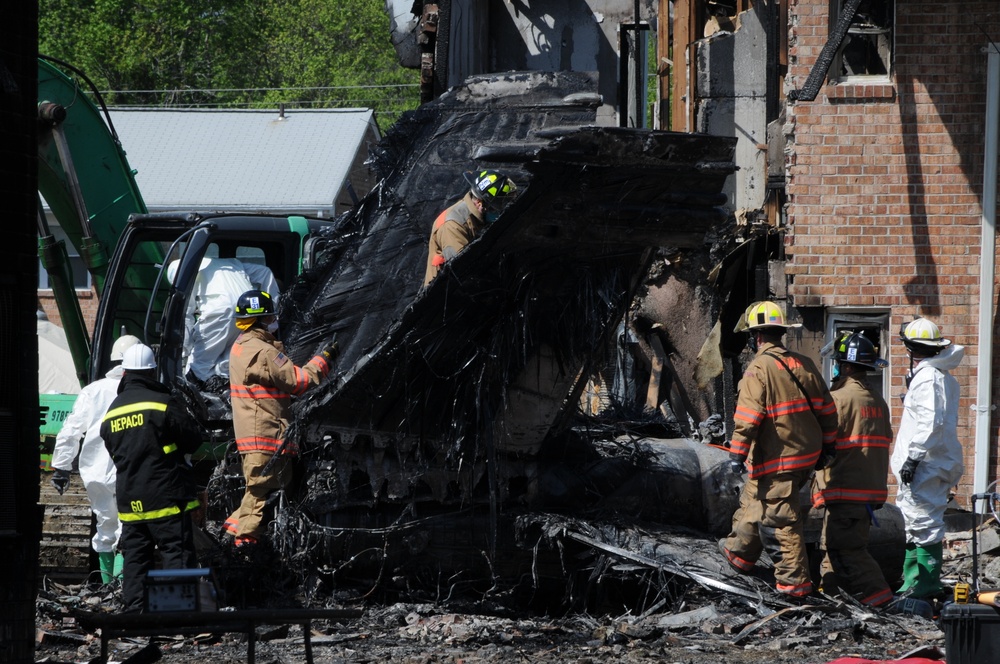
867, 47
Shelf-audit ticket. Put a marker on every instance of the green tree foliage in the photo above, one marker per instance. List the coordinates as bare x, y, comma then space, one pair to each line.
233, 53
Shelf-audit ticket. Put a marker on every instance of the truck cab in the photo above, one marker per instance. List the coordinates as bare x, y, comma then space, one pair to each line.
154, 274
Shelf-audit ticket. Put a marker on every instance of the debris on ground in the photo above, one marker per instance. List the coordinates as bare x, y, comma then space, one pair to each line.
685, 614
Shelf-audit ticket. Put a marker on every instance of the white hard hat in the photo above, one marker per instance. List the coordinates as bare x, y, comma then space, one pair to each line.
138, 358
123, 343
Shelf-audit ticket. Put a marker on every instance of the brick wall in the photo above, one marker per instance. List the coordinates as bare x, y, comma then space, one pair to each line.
884, 182
88, 305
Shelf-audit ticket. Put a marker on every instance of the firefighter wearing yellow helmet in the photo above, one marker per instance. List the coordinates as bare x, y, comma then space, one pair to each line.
489, 192
785, 425
927, 458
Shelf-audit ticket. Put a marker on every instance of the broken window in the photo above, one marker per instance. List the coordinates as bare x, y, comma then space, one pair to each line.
867, 47
875, 326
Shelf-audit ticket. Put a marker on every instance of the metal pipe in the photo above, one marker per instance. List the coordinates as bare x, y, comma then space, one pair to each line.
984, 365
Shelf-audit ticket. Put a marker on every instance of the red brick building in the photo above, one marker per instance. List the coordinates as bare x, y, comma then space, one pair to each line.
873, 116
885, 186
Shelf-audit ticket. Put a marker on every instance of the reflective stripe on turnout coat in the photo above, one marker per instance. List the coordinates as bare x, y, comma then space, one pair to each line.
860, 470
147, 434
453, 229
261, 381
774, 427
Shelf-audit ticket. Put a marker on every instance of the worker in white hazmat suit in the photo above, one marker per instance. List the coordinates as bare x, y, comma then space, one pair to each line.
927, 459
96, 468
209, 329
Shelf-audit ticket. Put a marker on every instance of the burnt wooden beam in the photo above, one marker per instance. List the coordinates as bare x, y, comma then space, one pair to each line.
821, 68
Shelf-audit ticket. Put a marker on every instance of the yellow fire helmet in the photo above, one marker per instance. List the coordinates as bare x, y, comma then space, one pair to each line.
763, 314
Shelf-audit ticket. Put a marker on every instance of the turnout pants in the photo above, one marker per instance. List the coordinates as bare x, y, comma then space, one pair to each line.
172, 536
847, 562
772, 501
248, 519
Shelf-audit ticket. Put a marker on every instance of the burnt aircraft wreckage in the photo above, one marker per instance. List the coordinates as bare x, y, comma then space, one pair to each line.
449, 435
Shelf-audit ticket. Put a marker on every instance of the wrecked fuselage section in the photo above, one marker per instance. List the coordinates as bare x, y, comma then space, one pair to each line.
454, 406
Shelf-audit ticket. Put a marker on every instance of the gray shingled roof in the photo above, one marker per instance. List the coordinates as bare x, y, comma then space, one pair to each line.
243, 160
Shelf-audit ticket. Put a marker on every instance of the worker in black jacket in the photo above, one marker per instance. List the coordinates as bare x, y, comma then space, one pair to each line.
147, 434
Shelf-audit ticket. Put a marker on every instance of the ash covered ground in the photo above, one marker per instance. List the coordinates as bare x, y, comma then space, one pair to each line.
483, 632
683, 622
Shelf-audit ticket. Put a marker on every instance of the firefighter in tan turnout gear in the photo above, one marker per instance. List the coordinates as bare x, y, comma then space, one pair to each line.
854, 485
461, 223
785, 424
262, 380
147, 433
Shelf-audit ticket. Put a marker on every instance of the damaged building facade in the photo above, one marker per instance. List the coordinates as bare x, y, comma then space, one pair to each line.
868, 133
863, 196
891, 190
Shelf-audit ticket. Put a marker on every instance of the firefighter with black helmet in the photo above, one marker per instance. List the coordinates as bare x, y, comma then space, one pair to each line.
262, 381
927, 458
460, 224
854, 484
784, 425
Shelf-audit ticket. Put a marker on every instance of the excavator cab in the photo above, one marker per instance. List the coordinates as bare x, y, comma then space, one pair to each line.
168, 284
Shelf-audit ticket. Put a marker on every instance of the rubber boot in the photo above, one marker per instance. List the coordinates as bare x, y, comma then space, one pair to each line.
910, 569
119, 566
929, 566
106, 559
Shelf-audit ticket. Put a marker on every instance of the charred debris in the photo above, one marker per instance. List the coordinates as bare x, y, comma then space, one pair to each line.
452, 451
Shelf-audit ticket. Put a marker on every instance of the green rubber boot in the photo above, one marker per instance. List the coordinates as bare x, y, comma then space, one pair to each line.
929, 566
107, 562
119, 565
910, 569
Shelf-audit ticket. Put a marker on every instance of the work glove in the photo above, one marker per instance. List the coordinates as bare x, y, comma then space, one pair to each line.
908, 470
826, 457
330, 352
60, 480
736, 465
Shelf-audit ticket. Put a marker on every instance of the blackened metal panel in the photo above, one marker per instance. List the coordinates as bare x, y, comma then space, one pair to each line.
549, 278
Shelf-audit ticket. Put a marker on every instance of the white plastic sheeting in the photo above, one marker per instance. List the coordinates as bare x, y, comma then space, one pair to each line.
56, 371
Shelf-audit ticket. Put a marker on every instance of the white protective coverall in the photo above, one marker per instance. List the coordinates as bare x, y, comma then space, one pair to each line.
928, 432
209, 328
96, 468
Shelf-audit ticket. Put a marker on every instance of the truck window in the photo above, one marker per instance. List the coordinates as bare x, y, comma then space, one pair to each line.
253, 255
129, 298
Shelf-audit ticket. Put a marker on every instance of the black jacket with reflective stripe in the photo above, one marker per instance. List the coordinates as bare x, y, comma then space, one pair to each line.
147, 434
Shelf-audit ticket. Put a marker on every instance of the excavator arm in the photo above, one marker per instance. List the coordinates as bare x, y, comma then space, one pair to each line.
86, 181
